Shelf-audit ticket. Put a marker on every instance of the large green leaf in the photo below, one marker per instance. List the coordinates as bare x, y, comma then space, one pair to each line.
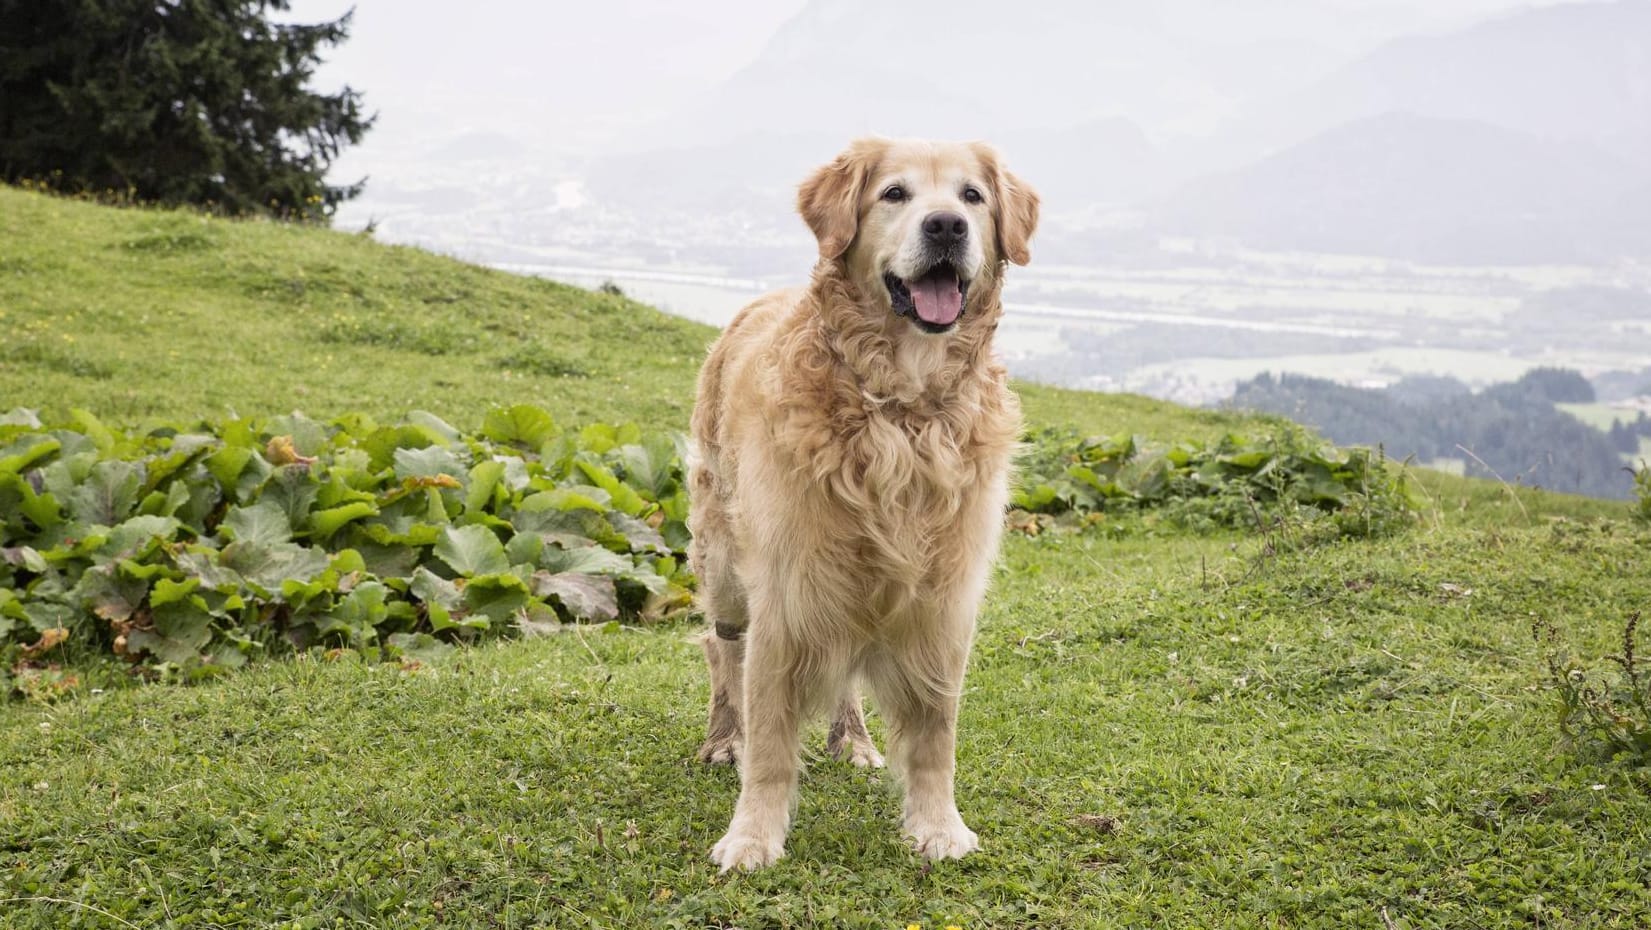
639, 536
42, 509
603, 437
291, 489
486, 485
12, 616
25, 557
650, 466
429, 462
21, 416
205, 563
621, 496
167, 591
259, 524
381, 444
268, 566
227, 463
182, 451
433, 425
358, 615
109, 494
586, 597
441, 598
324, 523
135, 533
108, 594
181, 631
496, 597
576, 498
471, 550
519, 425
17, 456
590, 560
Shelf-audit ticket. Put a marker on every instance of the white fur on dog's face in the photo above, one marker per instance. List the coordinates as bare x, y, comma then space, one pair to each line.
924, 178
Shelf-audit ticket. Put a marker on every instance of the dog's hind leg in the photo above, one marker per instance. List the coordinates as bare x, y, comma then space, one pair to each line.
724, 730
724, 600
848, 740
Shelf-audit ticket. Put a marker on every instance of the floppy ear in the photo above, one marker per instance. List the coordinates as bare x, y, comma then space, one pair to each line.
1019, 219
1016, 205
830, 199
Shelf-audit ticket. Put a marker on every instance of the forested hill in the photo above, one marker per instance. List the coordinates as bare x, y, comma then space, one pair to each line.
1510, 431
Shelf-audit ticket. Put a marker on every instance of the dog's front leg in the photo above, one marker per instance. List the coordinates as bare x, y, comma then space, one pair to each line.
769, 762
920, 702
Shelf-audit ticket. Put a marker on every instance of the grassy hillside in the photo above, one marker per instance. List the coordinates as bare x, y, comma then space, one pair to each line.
150, 314
1161, 727
140, 314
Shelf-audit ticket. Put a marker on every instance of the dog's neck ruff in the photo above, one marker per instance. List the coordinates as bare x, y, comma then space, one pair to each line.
896, 364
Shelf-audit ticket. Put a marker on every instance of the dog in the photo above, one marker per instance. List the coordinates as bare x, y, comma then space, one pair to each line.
848, 481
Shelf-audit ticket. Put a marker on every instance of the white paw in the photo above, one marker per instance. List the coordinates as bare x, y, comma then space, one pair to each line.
943, 841
719, 752
864, 756
741, 851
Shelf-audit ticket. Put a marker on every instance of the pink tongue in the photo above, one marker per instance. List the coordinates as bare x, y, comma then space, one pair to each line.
937, 299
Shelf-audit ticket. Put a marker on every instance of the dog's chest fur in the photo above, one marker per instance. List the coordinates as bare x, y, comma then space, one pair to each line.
908, 477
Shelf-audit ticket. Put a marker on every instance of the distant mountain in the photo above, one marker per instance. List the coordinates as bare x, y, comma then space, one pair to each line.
946, 68
1525, 140
1102, 161
1571, 71
1071, 90
1436, 190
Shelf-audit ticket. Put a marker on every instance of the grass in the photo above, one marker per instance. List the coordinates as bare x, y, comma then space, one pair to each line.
1160, 729
143, 314
156, 314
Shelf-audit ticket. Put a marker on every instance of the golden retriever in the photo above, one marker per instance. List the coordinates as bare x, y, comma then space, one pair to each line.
850, 471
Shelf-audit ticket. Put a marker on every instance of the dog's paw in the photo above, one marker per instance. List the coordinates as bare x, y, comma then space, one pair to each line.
943, 841
721, 751
860, 755
742, 851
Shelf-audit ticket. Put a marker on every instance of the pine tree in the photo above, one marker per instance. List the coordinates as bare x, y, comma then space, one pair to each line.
176, 101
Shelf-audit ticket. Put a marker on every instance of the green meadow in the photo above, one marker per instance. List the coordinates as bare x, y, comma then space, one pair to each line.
1166, 724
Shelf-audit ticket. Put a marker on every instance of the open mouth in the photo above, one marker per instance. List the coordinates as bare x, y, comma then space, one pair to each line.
934, 301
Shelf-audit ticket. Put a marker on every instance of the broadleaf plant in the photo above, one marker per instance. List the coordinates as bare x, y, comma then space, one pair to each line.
199, 546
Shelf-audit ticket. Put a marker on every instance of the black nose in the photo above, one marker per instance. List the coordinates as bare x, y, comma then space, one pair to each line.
945, 229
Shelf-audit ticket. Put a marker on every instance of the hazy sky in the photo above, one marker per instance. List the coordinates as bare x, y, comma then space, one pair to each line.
572, 73
535, 68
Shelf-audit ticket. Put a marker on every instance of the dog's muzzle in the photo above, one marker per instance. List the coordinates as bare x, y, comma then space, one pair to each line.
933, 300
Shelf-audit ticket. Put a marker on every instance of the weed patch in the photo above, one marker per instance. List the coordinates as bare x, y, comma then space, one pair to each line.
61, 360
1642, 492
1285, 483
1605, 704
538, 361
197, 547
424, 337
172, 240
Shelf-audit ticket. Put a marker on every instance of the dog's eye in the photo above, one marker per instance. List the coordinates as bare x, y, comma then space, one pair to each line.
972, 195
894, 194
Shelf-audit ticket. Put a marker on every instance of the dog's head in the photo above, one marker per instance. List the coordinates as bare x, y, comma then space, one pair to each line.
918, 223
